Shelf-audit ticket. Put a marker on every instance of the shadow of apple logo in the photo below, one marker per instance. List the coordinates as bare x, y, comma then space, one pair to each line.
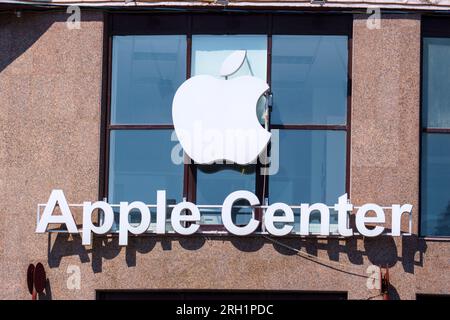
215, 119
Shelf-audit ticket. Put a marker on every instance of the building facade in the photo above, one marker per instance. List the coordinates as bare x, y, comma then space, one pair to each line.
360, 106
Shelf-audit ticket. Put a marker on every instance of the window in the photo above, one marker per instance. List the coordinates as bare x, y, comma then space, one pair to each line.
215, 182
309, 80
435, 145
309, 85
146, 72
303, 58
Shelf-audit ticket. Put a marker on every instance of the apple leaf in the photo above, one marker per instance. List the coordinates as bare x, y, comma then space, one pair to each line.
232, 63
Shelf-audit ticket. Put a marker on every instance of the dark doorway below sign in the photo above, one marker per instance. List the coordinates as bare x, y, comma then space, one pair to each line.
439, 297
218, 295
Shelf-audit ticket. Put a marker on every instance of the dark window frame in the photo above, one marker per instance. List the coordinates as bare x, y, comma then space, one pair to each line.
217, 23
432, 26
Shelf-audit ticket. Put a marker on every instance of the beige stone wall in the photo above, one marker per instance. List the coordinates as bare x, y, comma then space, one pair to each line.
50, 97
385, 141
50, 93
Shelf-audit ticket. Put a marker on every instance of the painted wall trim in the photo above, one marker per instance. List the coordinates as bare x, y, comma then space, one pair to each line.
433, 5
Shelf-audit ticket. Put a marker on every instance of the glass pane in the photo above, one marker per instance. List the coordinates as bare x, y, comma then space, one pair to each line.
312, 169
436, 82
435, 185
209, 51
216, 182
146, 72
140, 164
309, 79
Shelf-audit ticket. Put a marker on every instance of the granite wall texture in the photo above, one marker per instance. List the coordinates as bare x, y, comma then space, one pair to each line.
50, 98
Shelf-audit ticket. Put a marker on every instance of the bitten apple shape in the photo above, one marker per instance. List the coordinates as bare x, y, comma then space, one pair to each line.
215, 119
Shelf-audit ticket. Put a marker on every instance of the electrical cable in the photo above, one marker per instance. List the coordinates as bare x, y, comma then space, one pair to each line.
317, 260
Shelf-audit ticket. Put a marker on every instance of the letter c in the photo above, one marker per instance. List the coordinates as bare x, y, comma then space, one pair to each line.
227, 208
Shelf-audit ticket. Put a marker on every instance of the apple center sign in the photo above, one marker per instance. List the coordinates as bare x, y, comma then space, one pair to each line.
215, 120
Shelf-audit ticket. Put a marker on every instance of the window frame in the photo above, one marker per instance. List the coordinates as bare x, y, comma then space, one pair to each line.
190, 23
431, 27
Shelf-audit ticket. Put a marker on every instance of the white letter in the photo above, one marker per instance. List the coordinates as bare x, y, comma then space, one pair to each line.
177, 218
124, 225
374, 21
306, 210
270, 219
88, 226
343, 207
397, 212
74, 280
361, 220
373, 280
161, 211
227, 208
271, 165
73, 22
176, 154
57, 196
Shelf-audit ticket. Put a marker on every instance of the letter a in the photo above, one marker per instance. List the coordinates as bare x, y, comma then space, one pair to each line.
57, 196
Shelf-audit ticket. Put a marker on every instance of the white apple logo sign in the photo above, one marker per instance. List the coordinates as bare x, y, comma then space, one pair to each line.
215, 119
